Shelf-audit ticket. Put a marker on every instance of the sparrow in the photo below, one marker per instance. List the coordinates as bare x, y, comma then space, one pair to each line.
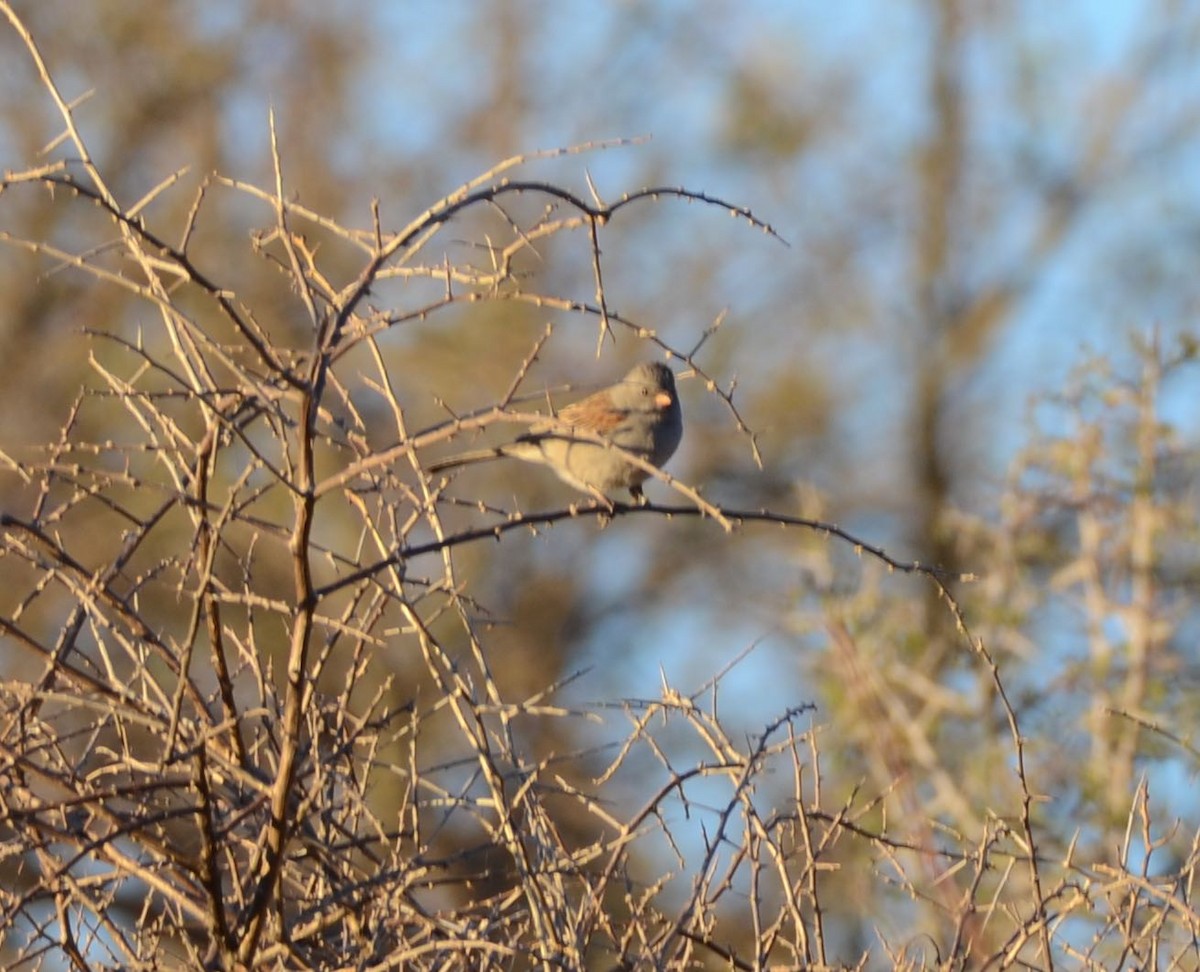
640, 413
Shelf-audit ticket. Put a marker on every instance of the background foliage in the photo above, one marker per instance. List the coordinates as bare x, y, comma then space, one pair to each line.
268, 698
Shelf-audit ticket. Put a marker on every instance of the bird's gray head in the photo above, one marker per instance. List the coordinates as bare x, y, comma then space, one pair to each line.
649, 387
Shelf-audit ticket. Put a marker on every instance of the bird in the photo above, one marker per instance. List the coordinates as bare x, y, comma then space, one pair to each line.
640, 414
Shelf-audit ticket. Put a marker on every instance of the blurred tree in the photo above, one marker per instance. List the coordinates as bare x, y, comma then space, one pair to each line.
970, 190
169, 91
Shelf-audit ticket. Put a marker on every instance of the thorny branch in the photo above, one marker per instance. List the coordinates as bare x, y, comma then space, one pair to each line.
263, 727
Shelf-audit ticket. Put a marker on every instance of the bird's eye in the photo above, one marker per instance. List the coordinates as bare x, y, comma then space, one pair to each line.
645, 390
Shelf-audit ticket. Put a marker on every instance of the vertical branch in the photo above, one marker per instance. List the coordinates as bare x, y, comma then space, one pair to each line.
267, 866
940, 174
1145, 525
